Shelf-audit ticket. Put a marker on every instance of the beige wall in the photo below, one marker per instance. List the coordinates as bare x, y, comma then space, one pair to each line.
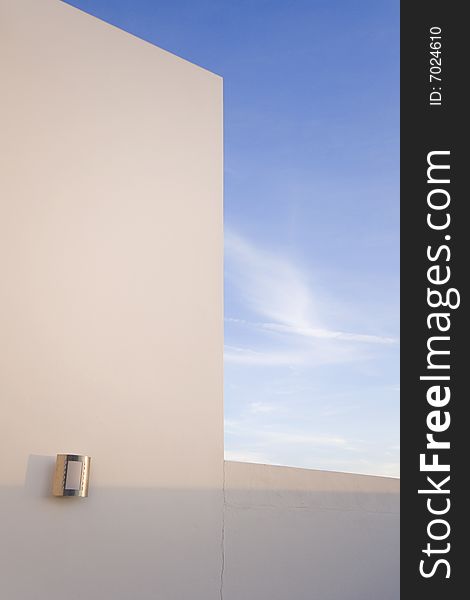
110, 311
297, 534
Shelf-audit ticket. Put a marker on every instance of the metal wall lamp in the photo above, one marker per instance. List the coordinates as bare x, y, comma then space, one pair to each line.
71, 477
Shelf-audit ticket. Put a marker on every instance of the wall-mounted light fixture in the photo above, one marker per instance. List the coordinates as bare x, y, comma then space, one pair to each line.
72, 472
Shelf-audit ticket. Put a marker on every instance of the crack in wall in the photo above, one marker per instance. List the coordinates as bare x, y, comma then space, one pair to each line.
222, 542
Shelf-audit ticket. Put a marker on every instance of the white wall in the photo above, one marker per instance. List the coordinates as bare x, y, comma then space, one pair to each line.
296, 534
110, 311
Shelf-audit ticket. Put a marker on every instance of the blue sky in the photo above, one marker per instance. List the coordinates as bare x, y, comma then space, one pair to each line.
311, 218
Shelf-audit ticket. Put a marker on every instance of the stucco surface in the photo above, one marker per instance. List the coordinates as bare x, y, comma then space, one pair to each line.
309, 535
110, 310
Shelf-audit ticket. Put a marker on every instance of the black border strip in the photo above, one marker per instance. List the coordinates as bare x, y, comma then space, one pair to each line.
428, 128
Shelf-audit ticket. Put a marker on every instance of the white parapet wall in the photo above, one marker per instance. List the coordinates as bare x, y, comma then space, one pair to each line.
298, 534
111, 323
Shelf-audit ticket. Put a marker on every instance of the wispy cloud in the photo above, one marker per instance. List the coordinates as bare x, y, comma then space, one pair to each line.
279, 437
281, 320
248, 356
282, 437
273, 288
269, 284
261, 407
255, 441
328, 334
